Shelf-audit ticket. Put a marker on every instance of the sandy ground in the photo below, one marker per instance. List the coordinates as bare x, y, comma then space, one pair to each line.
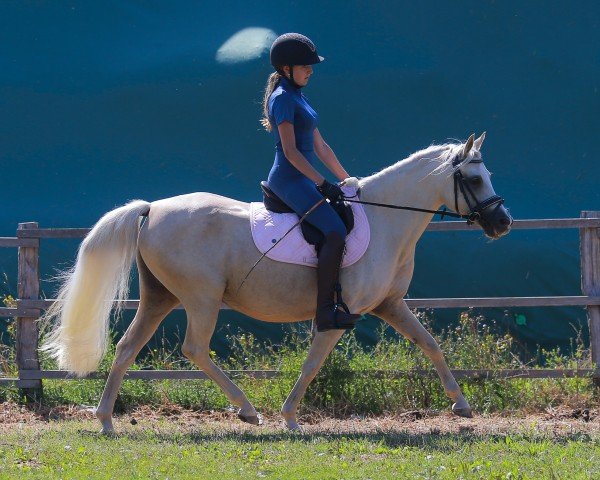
556, 422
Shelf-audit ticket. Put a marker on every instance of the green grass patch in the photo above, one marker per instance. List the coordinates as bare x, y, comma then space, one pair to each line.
74, 450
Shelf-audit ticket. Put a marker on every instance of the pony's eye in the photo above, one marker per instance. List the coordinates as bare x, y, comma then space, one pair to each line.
476, 181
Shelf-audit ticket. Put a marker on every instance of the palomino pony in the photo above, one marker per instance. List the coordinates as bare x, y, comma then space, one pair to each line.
195, 250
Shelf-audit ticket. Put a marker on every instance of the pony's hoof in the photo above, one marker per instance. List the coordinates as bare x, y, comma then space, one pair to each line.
251, 419
108, 432
107, 424
293, 426
465, 412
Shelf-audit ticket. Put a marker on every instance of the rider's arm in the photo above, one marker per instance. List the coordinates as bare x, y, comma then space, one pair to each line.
326, 155
288, 142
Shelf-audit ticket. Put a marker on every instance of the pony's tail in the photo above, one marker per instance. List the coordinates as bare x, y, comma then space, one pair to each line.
79, 338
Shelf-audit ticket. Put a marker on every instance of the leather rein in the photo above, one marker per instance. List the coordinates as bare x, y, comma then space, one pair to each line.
475, 211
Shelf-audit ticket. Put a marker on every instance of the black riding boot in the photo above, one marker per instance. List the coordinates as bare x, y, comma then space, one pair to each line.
328, 315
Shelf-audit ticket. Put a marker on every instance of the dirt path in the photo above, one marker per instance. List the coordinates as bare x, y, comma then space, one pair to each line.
559, 422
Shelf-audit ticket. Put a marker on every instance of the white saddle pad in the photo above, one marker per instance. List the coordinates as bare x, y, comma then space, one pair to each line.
268, 227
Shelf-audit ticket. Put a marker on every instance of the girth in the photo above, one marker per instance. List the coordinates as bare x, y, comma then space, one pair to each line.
311, 233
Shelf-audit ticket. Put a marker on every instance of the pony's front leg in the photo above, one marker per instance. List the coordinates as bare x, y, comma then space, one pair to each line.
398, 315
320, 348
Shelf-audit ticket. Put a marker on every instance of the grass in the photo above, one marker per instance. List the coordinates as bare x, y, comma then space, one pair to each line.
75, 450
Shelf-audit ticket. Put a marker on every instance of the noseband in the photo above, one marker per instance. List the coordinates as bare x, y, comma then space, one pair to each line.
475, 212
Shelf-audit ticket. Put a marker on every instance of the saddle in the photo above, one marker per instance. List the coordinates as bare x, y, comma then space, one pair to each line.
310, 233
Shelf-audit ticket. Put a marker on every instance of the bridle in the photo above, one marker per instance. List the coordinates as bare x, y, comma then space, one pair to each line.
476, 210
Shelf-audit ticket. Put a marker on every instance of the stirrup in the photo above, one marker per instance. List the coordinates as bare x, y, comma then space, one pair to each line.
346, 322
340, 309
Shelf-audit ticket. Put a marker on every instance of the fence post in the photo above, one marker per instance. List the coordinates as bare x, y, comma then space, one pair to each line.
27, 330
590, 284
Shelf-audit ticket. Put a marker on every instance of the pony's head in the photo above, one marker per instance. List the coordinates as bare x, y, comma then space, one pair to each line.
471, 192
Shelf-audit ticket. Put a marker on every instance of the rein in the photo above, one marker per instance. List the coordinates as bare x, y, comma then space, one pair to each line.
459, 183
442, 213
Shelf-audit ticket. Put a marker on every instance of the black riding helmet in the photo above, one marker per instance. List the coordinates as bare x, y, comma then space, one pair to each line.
293, 49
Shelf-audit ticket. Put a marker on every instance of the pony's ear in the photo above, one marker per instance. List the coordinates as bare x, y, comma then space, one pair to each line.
479, 142
468, 146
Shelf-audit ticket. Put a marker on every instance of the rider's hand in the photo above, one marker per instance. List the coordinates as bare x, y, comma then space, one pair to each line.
350, 182
331, 191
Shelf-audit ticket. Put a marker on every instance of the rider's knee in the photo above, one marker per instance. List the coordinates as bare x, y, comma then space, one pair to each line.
336, 232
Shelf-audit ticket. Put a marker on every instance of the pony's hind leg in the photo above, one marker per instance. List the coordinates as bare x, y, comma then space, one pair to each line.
155, 303
320, 348
202, 318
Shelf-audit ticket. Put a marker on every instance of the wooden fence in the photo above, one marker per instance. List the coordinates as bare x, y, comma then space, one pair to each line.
29, 305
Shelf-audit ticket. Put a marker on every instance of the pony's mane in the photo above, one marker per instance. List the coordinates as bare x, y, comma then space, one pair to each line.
443, 154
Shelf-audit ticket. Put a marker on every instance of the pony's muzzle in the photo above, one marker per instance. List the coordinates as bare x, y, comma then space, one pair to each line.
496, 221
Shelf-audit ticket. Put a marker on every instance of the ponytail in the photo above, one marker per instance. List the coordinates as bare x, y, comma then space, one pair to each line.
271, 85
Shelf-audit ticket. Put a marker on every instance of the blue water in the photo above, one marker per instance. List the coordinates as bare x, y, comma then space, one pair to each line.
104, 102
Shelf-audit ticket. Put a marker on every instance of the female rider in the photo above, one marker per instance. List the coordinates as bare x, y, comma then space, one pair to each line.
293, 178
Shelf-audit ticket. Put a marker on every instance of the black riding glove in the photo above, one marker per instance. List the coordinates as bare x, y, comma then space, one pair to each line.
331, 191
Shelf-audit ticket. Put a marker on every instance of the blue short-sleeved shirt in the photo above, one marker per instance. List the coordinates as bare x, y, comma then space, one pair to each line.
287, 103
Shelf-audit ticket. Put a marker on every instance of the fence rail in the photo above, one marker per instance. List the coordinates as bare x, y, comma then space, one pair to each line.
483, 374
33, 307
266, 374
449, 226
29, 306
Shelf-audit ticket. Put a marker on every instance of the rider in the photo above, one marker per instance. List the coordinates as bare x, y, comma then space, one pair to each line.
293, 177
